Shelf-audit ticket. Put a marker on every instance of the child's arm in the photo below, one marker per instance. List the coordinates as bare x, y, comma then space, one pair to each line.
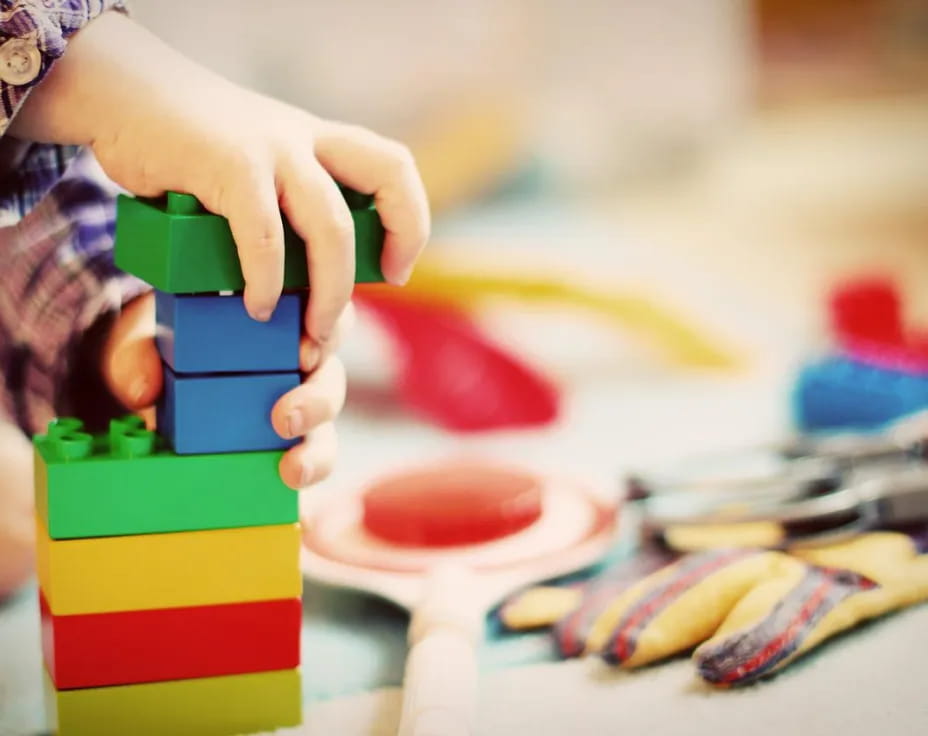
157, 121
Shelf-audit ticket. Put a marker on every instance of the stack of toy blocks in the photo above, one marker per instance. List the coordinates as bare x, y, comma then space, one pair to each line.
169, 562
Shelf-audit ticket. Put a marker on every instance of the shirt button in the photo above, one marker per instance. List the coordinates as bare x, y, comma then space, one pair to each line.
20, 61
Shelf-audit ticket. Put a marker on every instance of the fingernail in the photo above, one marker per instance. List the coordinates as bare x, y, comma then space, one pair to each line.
295, 425
403, 277
262, 315
137, 389
310, 357
306, 473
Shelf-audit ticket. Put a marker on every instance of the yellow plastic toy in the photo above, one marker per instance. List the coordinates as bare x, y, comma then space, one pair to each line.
681, 342
198, 707
169, 570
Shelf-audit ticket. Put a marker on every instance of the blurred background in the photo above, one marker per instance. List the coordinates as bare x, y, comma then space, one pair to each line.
728, 162
641, 211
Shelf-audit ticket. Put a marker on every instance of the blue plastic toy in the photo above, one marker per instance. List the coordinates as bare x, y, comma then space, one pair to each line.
214, 334
231, 413
841, 394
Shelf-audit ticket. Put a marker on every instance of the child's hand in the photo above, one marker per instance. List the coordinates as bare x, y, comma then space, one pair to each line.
156, 122
132, 369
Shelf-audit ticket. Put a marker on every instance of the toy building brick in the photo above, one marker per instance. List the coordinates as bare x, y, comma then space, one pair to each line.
169, 562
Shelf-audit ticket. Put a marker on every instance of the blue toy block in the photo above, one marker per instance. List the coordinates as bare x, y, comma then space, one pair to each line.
214, 334
841, 394
232, 413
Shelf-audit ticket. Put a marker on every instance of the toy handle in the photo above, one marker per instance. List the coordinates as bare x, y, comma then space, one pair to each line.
440, 686
440, 683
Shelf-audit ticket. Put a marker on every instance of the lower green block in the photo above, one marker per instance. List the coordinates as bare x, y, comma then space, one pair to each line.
210, 706
127, 482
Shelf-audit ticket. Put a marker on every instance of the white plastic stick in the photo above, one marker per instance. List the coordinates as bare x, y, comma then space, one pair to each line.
440, 683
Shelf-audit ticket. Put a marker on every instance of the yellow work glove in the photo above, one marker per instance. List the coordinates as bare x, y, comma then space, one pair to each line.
748, 612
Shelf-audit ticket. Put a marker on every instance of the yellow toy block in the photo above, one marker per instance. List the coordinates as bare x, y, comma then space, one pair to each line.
169, 570
209, 706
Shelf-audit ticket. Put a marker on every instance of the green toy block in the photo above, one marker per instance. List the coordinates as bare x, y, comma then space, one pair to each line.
175, 245
129, 482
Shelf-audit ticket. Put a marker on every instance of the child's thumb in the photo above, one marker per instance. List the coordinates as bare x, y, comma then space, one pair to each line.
131, 364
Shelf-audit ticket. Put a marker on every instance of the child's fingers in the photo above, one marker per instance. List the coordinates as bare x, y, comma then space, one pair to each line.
131, 365
17, 510
317, 211
312, 354
371, 164
318, 400
312, 460
250, 205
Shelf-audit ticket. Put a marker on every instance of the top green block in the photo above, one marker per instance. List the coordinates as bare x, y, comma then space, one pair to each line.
178, 247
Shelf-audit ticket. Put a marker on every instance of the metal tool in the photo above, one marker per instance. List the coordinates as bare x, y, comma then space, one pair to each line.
816, 488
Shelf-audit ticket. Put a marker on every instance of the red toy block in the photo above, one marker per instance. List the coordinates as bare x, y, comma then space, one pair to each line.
96, 649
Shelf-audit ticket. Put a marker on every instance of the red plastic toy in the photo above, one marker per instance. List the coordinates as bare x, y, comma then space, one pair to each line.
125, 647
448, 505
867, 321
454, 375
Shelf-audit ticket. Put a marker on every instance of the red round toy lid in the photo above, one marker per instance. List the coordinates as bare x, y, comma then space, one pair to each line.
452, 504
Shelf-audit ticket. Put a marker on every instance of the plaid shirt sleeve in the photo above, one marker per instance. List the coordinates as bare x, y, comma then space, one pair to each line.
42, 25
56, 233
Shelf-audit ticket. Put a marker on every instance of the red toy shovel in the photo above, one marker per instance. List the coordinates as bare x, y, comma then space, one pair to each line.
455, 376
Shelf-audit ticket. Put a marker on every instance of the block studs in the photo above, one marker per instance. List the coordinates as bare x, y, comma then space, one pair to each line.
128, 437
183, 204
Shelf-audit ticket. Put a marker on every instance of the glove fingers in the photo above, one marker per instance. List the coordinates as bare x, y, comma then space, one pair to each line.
572, 631
788, 616
538, 607
881, 556
701, 537
907, 586
571, 635
574, 607
784, 617
678, 607
762, 609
